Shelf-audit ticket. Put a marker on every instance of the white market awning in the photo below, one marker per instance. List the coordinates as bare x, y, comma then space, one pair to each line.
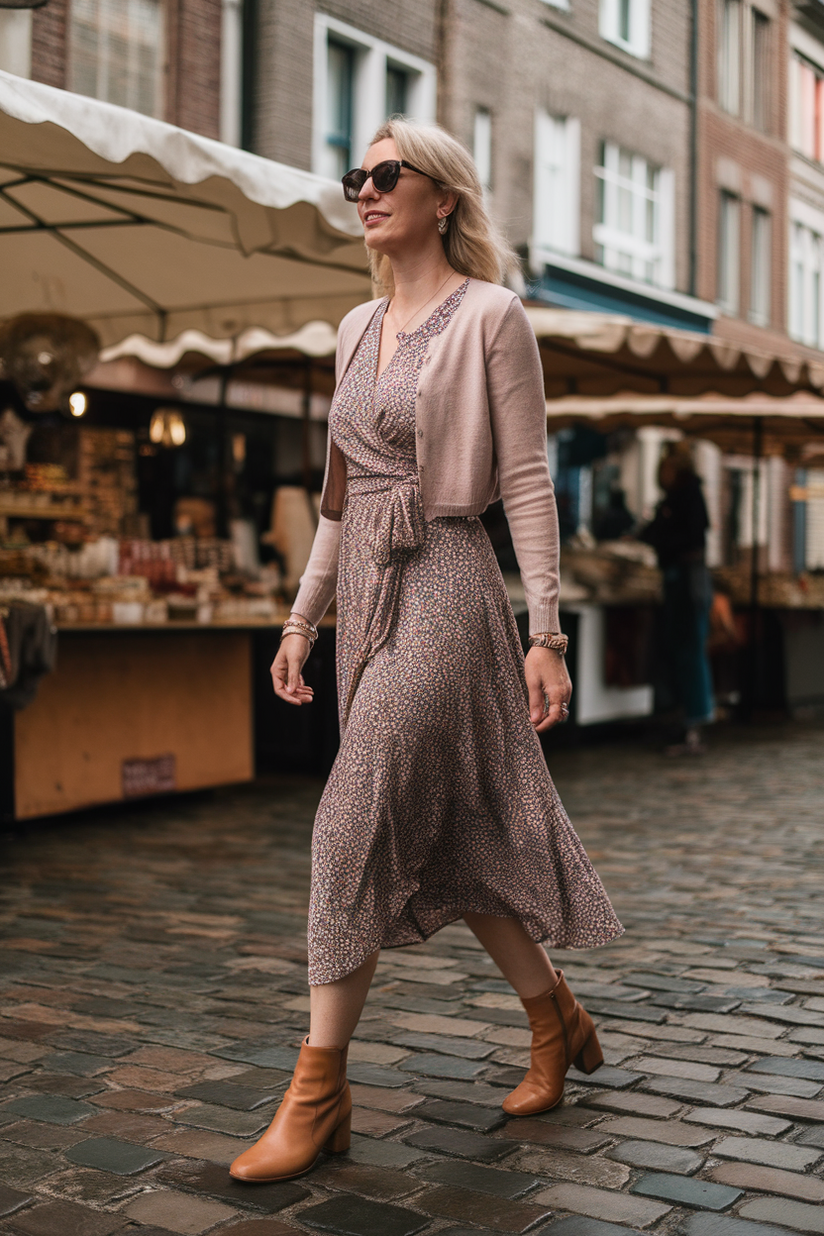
140, 228
597, 355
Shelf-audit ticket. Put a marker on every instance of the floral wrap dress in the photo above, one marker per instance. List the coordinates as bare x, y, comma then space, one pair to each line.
439, 801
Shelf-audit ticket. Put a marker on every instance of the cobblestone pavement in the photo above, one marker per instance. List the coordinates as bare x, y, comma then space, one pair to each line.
153, 993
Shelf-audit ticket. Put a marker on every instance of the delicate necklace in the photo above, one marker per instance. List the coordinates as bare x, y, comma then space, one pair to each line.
415, 312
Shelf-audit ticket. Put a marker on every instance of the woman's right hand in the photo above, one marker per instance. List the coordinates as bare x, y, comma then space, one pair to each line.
286, 676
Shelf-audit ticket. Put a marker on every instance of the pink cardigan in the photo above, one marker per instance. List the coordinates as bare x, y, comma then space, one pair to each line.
481, 434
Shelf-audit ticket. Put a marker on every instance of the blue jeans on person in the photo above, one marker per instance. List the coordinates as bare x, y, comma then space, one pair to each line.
687, 602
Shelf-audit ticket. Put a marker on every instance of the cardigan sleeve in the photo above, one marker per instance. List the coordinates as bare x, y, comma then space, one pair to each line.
319, 580
517, 405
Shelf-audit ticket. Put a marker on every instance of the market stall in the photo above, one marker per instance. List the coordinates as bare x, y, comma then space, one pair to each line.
119, 229
617, 390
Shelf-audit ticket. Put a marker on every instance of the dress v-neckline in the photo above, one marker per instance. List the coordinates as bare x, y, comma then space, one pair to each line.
403, 334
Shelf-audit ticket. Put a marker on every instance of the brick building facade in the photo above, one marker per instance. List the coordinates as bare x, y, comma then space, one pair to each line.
742, 170
182, 67
607, 112
643, 155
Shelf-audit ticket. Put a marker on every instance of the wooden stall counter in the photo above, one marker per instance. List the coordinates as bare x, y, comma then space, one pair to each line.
133, 711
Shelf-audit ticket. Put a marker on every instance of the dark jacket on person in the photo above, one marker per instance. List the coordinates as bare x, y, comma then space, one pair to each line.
30, 647
678, 531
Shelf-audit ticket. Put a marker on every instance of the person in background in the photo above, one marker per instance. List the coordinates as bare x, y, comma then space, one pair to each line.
678, 535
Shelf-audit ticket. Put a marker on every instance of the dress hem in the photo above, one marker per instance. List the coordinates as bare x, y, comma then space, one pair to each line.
453, 915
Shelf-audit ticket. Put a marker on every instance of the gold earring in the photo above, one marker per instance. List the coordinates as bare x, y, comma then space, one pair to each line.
443, 224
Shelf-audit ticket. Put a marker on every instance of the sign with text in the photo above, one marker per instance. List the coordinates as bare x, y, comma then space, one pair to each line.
157, 775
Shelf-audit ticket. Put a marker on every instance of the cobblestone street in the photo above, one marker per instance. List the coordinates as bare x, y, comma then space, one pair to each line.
153, 994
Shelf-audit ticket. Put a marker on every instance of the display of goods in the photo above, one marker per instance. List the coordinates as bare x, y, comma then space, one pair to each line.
45, 477
611, 576
776, 590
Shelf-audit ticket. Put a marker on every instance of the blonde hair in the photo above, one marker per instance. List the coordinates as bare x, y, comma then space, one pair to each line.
473, 244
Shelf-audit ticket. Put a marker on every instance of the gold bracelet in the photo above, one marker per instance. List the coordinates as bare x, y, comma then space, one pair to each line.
298, 628
548, 639
302, 624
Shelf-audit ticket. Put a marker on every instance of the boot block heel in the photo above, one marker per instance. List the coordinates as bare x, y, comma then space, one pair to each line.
341, 1139
590, 1057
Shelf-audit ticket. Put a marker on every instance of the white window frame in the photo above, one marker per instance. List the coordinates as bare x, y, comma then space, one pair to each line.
105, 70
614, 241
729, 253
806, 281
805, 143
15, 41
609, 25
556, 210
231, 71
729, 39
369, 110
758, 77
482, 146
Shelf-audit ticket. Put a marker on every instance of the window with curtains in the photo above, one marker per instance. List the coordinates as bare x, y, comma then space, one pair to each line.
729, 55
760, 267
758, 107
634, 230
116, 52
729, 253
807, 108
743, 40
806, 260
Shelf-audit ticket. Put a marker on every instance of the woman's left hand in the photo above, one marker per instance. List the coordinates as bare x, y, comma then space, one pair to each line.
548, 682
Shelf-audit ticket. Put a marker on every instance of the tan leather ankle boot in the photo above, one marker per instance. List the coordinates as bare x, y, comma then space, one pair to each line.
562, 1034
315, 1115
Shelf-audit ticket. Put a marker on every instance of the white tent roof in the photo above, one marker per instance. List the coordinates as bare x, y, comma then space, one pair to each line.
142, 228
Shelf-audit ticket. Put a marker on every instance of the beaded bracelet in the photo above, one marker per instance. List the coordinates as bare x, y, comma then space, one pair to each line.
297, 626
557, 642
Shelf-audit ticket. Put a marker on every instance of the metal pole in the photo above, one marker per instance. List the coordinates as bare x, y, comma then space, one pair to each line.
693, 156
755, 659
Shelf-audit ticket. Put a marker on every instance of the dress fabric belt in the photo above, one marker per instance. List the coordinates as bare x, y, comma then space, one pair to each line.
397, 532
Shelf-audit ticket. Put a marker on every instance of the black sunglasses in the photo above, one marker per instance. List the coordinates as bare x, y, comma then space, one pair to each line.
384, 177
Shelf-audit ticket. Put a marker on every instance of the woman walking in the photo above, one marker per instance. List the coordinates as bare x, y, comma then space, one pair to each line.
439, 805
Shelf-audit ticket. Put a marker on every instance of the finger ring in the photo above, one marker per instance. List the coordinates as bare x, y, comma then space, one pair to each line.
565, 712
546, 703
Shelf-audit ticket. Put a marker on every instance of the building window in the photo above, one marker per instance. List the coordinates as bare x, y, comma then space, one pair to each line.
729, 55
806, 108
339, 103
805, 284
627, 24
729, 253
556, 206
482, 146
116, 52
760, 267
759, 70
633, 234
397, 90
359, 81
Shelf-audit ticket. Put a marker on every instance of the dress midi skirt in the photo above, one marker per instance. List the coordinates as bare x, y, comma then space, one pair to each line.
440, 801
